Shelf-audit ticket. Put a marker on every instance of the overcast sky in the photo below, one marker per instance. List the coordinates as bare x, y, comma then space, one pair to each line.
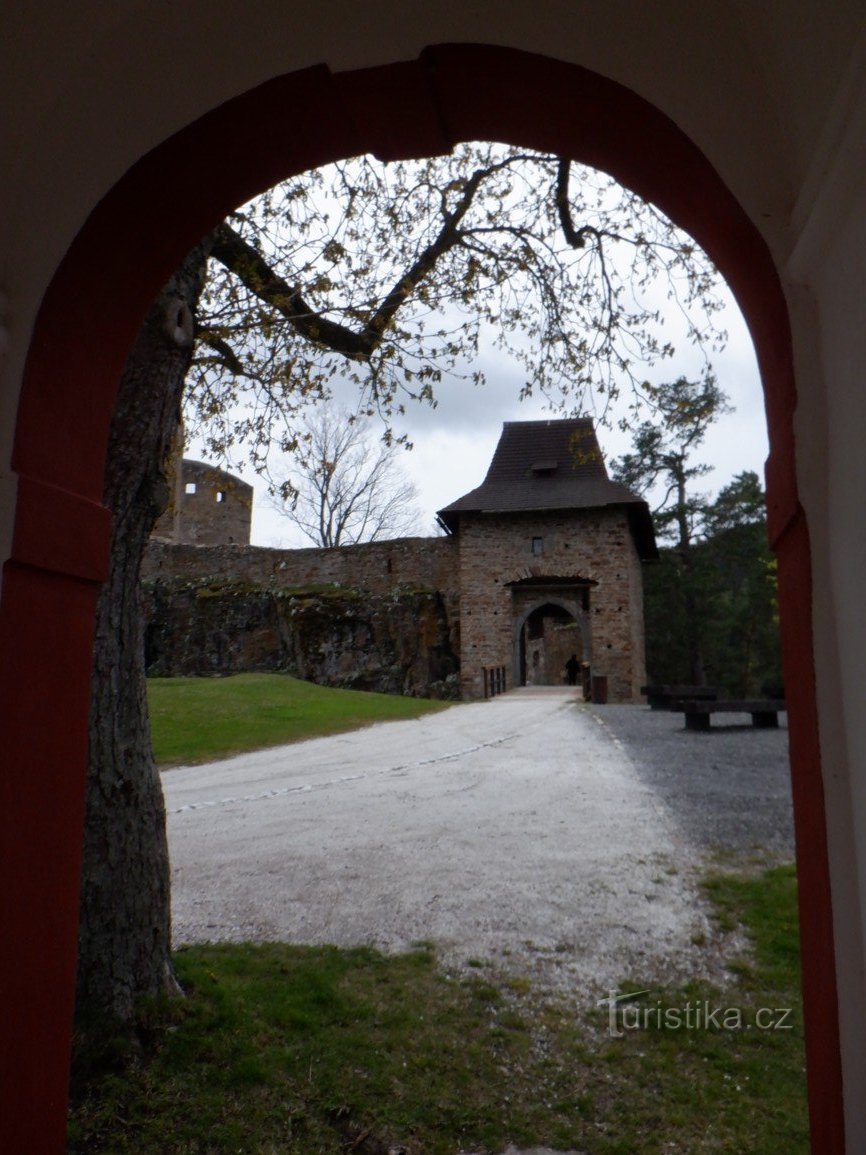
453, 444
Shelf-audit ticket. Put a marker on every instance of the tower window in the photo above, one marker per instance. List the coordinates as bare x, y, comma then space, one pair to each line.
538, 546
220, 496
189, 487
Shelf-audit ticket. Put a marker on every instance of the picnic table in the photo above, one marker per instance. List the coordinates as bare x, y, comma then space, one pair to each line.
765, 711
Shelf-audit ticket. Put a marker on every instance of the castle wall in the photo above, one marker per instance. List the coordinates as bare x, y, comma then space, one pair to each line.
470, 574
396, 643
637, 624
375, 567
379, 616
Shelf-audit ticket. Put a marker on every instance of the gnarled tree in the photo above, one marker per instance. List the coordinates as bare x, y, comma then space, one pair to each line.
125, 932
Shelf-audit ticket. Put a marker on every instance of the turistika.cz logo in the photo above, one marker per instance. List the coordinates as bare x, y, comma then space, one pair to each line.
625, 1014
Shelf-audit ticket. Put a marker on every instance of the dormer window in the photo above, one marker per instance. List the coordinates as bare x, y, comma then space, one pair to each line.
544, 468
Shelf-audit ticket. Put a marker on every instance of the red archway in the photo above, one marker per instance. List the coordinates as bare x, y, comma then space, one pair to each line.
89, 316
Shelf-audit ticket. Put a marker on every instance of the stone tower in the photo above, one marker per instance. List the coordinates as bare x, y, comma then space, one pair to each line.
550, 553
209, 507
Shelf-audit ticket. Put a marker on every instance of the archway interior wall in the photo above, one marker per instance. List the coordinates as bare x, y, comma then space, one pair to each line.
81, 337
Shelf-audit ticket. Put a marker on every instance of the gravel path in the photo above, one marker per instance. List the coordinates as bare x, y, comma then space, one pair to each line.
728, 790
532, 832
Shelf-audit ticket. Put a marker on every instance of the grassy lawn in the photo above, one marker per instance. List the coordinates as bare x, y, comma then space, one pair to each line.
199, 719
306, 1050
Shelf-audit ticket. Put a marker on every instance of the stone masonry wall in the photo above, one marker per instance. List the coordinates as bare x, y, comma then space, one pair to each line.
595, 545
209, 507
375, 567
637, 625
380, 616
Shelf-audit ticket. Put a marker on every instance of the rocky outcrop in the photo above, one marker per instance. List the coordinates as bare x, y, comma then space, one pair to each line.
402, 642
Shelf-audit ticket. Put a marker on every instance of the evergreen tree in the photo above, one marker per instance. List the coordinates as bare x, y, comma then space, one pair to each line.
741, 578
729, 588
663, 461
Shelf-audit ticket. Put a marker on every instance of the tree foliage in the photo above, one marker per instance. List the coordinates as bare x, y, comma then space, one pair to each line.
347, 488
710, 603
392, 275
727, 595
662, 466
743, 623
662, 461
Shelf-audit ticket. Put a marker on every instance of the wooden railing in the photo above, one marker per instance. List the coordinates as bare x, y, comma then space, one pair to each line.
494, 680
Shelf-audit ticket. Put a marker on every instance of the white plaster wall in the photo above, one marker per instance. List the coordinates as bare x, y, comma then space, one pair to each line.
825, 271
836, 510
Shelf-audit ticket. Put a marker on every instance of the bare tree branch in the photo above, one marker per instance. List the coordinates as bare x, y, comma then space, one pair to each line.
240, 258
346, 487
390, 276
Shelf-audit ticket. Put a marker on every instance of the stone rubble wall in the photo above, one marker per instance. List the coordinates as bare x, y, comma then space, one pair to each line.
404, 642
379, 616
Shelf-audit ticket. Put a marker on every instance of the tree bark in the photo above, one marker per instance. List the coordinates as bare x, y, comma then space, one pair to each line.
125, 927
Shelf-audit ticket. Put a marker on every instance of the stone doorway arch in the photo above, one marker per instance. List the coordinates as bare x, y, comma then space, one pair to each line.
571, 610
86, 324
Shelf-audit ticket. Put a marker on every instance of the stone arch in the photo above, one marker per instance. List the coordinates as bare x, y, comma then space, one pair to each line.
571, 607
86, 324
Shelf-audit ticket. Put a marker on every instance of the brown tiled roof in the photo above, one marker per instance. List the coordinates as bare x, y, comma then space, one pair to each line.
548, 465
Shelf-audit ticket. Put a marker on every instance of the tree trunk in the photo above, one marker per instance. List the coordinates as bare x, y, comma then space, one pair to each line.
125, 930
693, 623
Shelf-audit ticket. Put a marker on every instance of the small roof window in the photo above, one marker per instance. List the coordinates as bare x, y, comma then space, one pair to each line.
548, 466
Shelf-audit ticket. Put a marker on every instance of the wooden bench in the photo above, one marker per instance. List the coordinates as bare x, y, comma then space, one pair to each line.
764, 711
662, 697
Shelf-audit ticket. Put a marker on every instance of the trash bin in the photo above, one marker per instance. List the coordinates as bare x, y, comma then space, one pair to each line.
599, 688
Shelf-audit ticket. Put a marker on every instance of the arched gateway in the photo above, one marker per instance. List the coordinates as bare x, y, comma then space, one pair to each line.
86, 322
553, 631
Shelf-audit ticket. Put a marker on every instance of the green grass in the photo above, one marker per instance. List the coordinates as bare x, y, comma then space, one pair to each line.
199, 719
317, 1050
740, 1089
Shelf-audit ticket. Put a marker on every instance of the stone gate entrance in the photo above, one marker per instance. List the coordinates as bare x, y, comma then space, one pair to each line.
550, 556
550, 624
